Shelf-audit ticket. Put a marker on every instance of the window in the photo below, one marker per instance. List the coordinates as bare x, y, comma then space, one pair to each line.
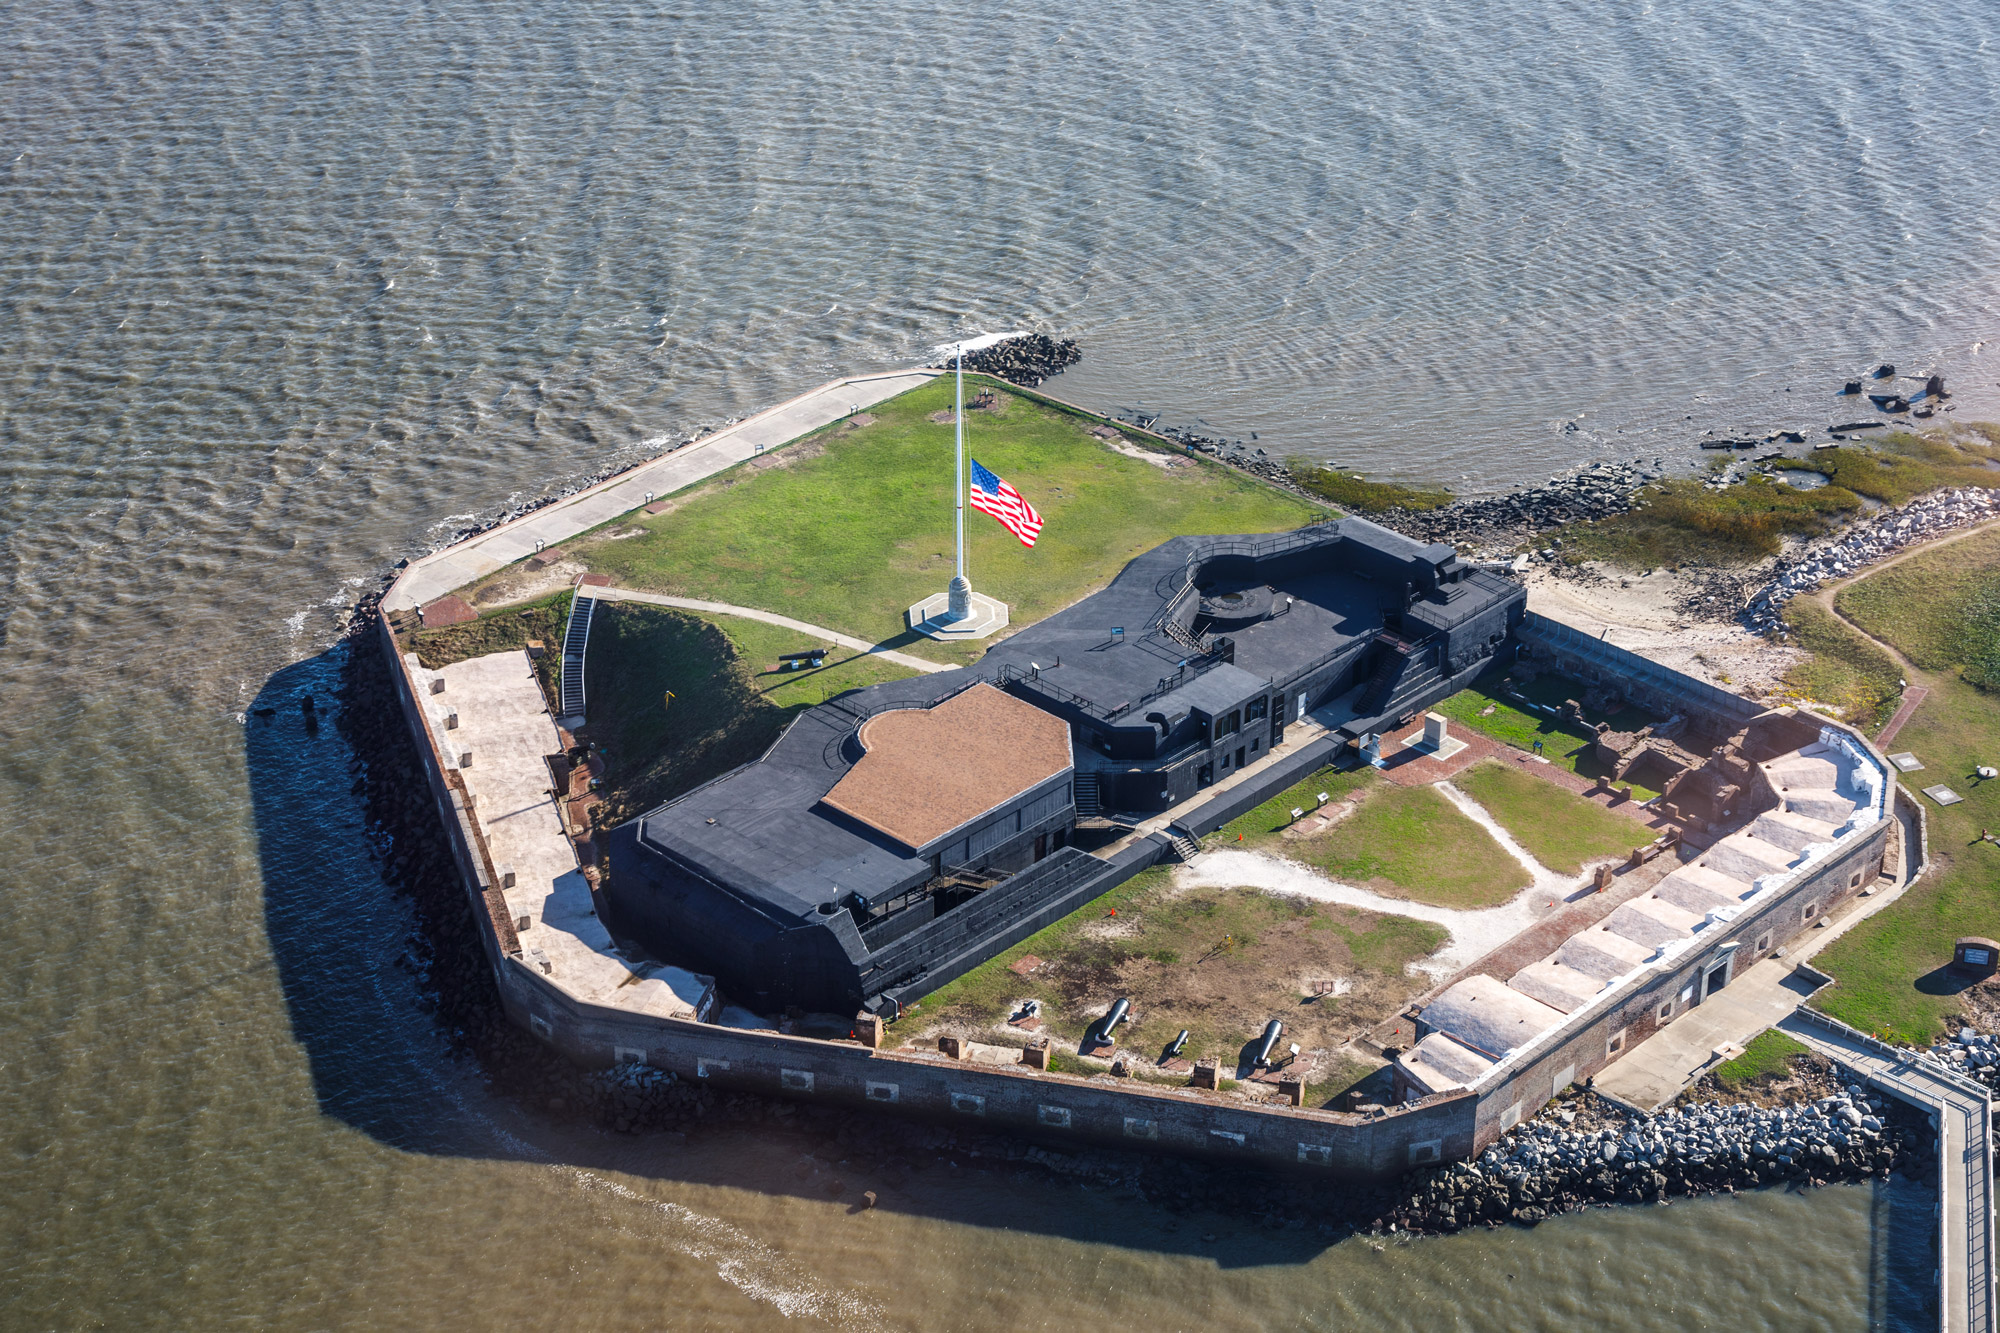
1666, 1011
1253, 747
1764, 942
1809, 911
1225, 726
1255, 710
1615, 1043
1854, 881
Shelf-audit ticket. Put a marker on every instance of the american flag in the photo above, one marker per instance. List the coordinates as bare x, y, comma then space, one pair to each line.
997, 498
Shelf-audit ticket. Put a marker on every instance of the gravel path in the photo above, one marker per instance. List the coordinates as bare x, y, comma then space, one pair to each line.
1474, 933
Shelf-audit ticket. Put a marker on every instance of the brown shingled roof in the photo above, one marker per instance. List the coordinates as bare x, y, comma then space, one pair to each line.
929, 771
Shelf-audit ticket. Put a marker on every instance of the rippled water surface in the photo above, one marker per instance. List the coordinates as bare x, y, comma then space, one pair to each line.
288, 291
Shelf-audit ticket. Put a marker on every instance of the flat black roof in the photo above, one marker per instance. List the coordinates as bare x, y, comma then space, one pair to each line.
762, 833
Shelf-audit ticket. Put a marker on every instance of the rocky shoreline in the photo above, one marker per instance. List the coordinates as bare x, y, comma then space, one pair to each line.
1874, 538
1584, 1151
1027, 360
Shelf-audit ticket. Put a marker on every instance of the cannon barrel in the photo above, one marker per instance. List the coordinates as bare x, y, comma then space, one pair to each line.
1179, 1042
1109, 1023
1272, 1031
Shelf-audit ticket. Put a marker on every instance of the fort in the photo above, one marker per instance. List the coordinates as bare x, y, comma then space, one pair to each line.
772, 928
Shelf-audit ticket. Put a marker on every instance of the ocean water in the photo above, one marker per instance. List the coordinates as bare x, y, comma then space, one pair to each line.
289, 291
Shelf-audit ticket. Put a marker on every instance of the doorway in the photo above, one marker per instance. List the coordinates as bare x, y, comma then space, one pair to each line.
1239, 756
1717, 978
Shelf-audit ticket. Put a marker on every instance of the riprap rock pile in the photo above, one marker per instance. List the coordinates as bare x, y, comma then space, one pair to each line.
1975, 1054
1026, 360
1502, 522
1554, 1164
1863, 544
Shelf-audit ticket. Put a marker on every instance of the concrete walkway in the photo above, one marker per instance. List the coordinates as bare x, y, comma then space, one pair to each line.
437, 574
1655, 1071
610, 594
1962, 1113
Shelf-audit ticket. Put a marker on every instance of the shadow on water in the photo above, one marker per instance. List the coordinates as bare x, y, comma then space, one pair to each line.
388, 996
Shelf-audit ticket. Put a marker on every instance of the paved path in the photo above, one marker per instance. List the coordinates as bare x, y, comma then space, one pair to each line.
609, 594
437, 574
1913, 696
1655, 1071
1962, 1112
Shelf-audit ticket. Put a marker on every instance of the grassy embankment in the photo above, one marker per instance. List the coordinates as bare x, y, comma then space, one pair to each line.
1558, 828
729, 703
1218, 962
1844, 671
1768, 1056
499, 632
852, 524
1401, 842
1686, 522
1491, 707
1358, 495
1890, 968
1903, 465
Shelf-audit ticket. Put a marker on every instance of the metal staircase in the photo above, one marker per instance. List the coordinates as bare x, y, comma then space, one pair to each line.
575, 636
1089, 804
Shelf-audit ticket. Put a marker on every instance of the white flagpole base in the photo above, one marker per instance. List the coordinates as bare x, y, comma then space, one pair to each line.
981, 615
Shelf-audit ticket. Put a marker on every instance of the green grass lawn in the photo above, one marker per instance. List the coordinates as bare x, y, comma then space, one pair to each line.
851, 525
1261, 826
758, 646
1941, 608
1218, 962
1844, 670
1559, 828
727, 707
1517, 721
1410, 842
1768, 1054
1890, 967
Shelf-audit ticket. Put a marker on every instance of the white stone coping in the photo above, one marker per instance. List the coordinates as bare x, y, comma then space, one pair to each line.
1866, 779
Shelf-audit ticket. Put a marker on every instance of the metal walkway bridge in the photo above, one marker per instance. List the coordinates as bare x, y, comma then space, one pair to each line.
1961, 1110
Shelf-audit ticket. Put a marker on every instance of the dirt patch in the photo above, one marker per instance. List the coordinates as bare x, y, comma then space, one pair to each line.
1642, 613
943, 418
1220, 963
787, 456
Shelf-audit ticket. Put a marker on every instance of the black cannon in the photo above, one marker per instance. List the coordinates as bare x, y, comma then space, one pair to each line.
1272, 1031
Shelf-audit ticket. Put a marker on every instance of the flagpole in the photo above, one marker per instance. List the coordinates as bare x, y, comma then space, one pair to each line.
958, 417
958, 600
